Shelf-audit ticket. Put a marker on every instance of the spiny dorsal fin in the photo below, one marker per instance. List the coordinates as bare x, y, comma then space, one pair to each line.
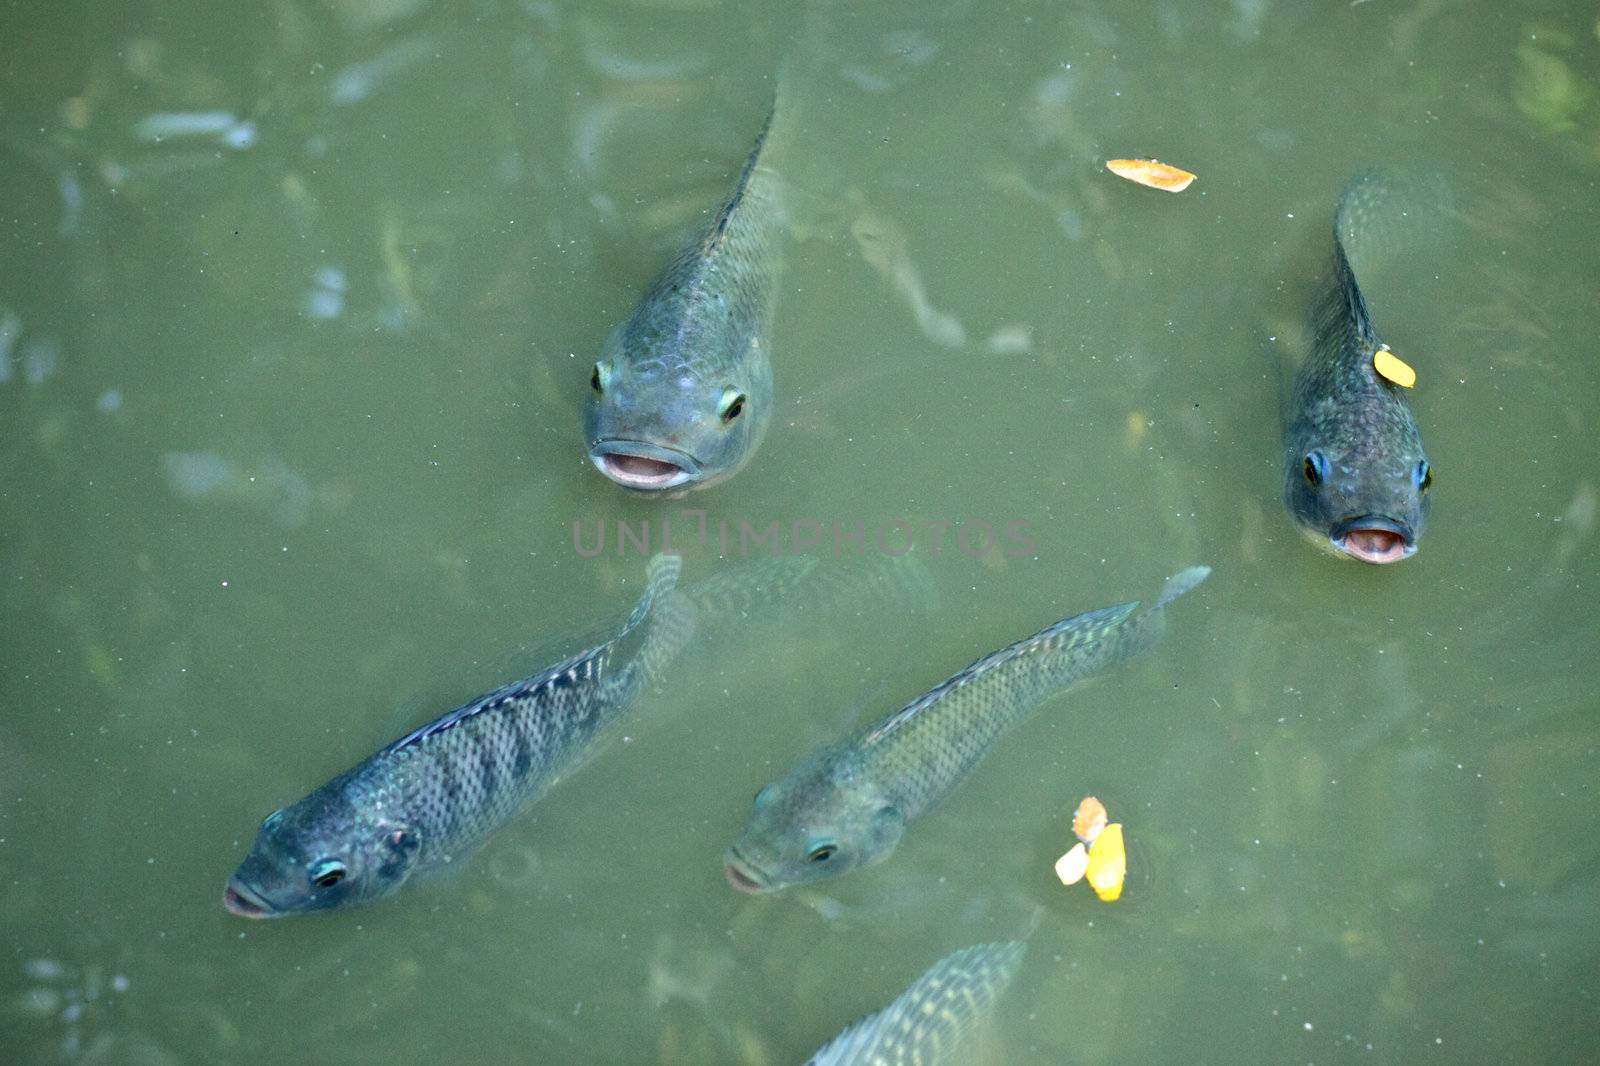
934, 1013
719, 226
589, 665
1061, 634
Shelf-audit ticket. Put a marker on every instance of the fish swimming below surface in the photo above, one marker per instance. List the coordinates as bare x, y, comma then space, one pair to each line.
1356, 477
848, 805
424, 799
928, 1023
682, 392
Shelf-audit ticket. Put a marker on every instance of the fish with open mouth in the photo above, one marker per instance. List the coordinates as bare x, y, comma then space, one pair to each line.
1356, 478
847, 806
424, 799
682, 393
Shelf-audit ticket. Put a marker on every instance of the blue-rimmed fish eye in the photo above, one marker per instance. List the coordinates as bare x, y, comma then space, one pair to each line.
600, 377
1315, 468
731, 404
1422, 476
325, 873
821, 852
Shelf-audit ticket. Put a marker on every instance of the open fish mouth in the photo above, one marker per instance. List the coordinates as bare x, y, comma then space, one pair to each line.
1374, 539
242, 900
647, 467
742, 876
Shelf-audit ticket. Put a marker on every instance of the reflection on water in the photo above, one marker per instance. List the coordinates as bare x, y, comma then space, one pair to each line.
295, 336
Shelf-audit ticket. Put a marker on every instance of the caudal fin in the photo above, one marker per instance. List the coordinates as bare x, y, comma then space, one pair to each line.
1181, 582
661, 624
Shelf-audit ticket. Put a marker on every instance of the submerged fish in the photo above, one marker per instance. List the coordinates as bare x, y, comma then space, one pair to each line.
683, 389
926, 1024
1356, 476
434, 792
847, 806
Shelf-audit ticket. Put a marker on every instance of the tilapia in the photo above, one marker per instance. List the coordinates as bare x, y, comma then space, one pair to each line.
682, 392
848, 805
1355, 475
927, 1024
423, 800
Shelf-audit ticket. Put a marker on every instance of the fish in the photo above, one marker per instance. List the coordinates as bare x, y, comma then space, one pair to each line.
423, 800
1356, 476
847, 806
682, 392
927, 1024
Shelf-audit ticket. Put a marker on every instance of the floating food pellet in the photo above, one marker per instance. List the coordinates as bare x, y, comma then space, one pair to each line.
1108, 864
1071, 866
1391, 368
1089, 820
1151, 173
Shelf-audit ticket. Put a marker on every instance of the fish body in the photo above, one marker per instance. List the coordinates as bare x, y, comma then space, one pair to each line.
1356, 476
682, 392
423, 800
847, 806
926, 1024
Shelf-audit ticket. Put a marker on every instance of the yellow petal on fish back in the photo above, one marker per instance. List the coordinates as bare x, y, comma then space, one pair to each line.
1089, 820
1108, 863
1391, 368
1149, 172
1071, 866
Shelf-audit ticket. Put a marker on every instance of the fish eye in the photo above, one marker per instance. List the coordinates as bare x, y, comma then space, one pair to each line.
1423, 476
598, 377
732, 404
821, 853
325, 873
1315, 468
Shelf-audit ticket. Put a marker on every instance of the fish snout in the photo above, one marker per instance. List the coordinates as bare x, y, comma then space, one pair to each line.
742, 876
240, 899
642, 466
1374, 539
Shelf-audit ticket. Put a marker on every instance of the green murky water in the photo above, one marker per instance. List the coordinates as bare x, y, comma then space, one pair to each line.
289, 416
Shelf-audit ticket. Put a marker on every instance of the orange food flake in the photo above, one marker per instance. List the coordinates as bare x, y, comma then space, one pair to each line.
1151, 173
1089, 820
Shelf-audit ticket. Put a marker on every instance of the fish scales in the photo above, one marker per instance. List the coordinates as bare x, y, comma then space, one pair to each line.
1356, 474
847, 806
927, 1024
424, 799
682, 392
930, 745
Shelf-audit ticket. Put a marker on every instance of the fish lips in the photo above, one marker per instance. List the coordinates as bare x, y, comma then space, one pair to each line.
744, 877
245, 901
1374, 539
644, 467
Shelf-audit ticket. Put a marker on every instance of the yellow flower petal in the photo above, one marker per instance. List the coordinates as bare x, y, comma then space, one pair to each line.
1108, 863
1070, 867
1390, 368
1149, 172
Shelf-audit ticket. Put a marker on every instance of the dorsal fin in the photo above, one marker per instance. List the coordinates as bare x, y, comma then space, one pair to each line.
719, 225
934, 1014
585, 666
1053, 636
581, 667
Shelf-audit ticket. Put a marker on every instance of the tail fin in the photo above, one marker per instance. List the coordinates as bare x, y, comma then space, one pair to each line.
1144, 631
1181, 582
660, 624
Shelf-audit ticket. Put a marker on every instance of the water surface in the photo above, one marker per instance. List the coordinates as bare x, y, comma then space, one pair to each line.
295, 332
